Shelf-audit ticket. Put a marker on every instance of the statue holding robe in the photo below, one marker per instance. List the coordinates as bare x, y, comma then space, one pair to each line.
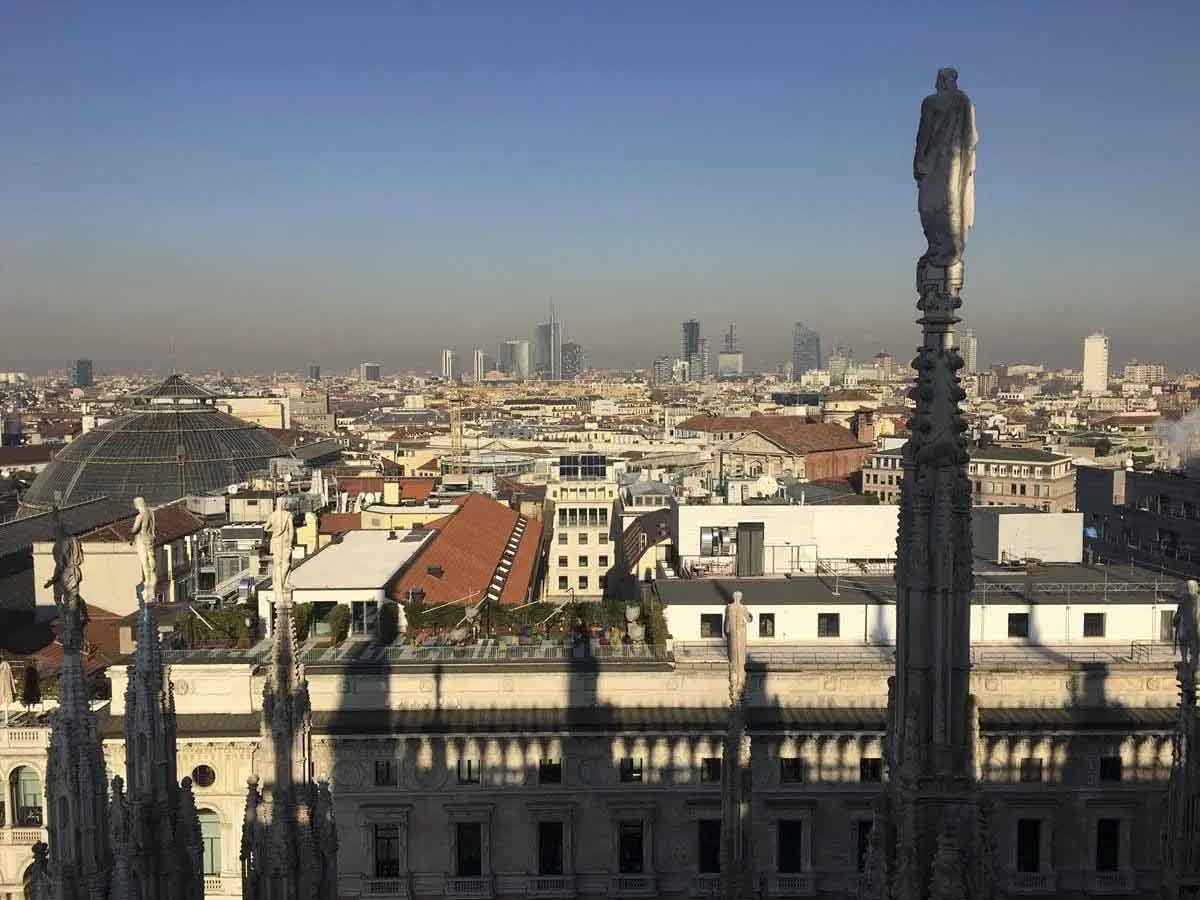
282, 532
143, 543
1184, 627
737, 618
944, 168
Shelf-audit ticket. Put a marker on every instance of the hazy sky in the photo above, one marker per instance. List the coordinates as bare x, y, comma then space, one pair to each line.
278, 182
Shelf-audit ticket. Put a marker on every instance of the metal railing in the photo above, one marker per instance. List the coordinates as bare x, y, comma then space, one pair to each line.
1032, 883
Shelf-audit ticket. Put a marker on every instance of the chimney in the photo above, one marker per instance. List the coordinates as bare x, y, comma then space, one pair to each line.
863, 426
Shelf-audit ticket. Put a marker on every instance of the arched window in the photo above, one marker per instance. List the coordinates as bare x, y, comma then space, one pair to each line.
27, 797
210, 837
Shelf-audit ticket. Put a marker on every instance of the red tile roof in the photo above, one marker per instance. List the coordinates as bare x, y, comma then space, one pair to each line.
468, 547
336, 523
796, 434
171, 522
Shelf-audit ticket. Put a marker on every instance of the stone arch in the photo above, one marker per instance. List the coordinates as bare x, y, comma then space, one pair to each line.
26, 789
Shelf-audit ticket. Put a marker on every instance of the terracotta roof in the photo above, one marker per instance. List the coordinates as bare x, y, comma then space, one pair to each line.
27, 455
796, 434
417, 489
468, 548
171, 522
361, 484
336, 523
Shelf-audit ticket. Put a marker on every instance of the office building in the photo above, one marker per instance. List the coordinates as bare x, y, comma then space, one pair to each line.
514, 359
840, 362
448, 365
369, 371
477, 365
731, 344
1145, 373
689, 344
583, 491
662, 370
730, 364
314, 372
1095, 363
970, 352
806, 350
548, 350
574, 360
884, 365
81, 373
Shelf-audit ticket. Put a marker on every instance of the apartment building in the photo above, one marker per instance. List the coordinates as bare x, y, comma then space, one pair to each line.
581, 498
1000, 476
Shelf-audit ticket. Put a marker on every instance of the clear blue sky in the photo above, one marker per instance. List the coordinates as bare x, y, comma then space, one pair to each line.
279, 182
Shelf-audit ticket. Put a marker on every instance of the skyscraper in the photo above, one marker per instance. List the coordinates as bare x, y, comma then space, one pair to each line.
448, 365
548, 345
574, 360
689, 345
514, 359
477, 365
840, 362
806, 350
314, 372
970, 352
702, 362
81, 373
1095, 363
731, 344
661, 372
369, 371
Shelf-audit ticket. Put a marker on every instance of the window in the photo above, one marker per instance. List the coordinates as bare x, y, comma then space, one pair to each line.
562, 537
870, 769
791, 770
583, 582
718, 541
710, 770
711, 625
766, 625
631, 770
203, 776
550, 771
563, 562
791, 845
829, 625
468, 849
862, 831
550, 848
583, 561
630, 857
602, 562
563, 583
1108, 845
1110, 768
709, 839
1031, 770
27, 797
602, 539
363, 615
1093, 625
387, 850
386, 774
468, 772
1166, 625
603, 582
583, 538
1029, 845
1018, 625
210, 840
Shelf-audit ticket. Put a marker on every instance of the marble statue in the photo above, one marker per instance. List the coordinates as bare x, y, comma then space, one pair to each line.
737, 618
282, 533
143, 543
1184, 627
633, 624
68, 565
944, 167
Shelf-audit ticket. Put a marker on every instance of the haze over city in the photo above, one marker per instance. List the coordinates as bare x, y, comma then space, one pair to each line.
273, 182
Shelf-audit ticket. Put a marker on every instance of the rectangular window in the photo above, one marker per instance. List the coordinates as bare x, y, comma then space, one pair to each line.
718, 541
711, 625
1018, 625
550, 848
602, 562
583, 538
791, 770
1166, 625
1093, 625
766, 625
870, 769
1110, 768
550, 771
829, 625
583, 562
1108, 845
631, 770
387, 851
563, 562
791, 846
863, 830
1029, 845
468, 771
386, 773
562, 537
1031, 770
563, 583
630, 857
363, 615
583, 582
603, 582
710, 770
468, 850
602, 539
709, 835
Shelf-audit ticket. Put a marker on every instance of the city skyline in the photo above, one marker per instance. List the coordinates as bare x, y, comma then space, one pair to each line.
200, 177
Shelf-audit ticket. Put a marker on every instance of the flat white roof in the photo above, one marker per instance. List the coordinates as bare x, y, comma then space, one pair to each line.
362, 559
443, 509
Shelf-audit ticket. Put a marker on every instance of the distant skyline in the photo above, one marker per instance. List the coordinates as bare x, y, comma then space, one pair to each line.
272, 184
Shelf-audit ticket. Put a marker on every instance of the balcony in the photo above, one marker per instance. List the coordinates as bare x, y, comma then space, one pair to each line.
392, 888
474, 888
1032, 883
1111, 882
633, 886
212, 885
550, 886
792, 884
705, 886
24, 737
22, 837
